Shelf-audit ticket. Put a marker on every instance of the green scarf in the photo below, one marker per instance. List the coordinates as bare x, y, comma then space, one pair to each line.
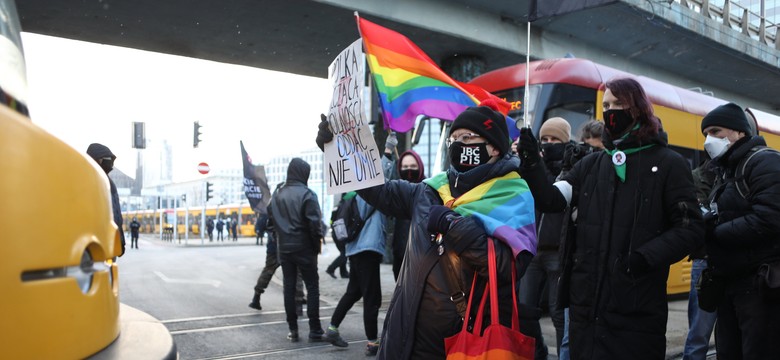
621, 169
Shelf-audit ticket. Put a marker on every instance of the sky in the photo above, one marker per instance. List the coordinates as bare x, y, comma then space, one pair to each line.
84, 92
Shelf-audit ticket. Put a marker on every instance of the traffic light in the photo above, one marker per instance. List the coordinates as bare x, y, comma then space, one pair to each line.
184, 197
196, 135
209, 190
139, 136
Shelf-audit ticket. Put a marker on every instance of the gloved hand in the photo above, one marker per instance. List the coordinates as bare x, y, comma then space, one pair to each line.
710, 222
439, 219
528, 148
637, 264
391, 143
323, 135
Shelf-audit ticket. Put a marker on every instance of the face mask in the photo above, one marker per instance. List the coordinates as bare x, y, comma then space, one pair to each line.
107, 165
412, 175
553, 151
466, 157
716, 146
616, 122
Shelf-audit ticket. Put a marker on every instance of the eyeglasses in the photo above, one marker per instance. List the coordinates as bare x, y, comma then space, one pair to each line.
465, 138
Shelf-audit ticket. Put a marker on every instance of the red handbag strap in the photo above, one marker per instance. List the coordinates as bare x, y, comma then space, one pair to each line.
468, 307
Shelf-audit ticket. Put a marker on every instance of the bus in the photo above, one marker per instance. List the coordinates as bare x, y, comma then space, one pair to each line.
569, 88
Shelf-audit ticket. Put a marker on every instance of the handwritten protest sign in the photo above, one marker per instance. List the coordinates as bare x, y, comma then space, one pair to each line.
352, 159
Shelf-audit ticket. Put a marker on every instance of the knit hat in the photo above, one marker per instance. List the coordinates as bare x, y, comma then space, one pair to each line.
486, 121
729, 116
556, 127
99, 151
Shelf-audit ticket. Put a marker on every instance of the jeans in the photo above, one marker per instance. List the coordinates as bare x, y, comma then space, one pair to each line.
543, 273
563, 352
700, 322
363, 283
304, 261
271, 264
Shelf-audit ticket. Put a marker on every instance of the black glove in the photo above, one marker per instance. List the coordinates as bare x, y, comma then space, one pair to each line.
528, 148
323, 135
568, 157
637, 264
710, 222
522, 260
439, 219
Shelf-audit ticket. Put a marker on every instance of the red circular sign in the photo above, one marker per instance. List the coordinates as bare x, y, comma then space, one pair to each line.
203, 168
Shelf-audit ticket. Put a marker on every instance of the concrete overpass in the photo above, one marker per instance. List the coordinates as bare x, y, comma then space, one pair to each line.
683, 42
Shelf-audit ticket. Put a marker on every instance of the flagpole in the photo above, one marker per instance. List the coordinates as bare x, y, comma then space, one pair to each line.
526, 93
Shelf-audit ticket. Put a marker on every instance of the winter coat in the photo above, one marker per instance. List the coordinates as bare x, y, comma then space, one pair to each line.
615, 313
295, 212
372, 236
421, 315
748, 231
134, 227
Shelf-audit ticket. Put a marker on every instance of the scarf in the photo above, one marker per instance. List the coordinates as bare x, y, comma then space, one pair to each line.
621, 169
503, 205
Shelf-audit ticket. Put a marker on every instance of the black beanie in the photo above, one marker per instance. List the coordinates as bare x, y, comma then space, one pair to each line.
729, 116
487, 122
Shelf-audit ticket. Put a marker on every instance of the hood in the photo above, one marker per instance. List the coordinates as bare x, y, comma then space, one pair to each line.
298, 171
99, 151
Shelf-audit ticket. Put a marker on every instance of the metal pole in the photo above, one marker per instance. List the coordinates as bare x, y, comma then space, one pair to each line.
186, 222
526, 94
159, 198
202, 227
175, 220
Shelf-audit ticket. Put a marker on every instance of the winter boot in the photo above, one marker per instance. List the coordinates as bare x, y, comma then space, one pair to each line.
255, 304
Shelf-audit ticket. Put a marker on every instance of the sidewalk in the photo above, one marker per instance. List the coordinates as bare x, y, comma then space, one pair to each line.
194, 240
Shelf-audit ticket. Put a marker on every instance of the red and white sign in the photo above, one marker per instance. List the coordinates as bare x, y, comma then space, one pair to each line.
203, 168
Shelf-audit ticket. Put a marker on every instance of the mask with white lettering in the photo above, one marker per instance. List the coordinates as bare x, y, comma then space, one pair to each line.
716, 146
465, 157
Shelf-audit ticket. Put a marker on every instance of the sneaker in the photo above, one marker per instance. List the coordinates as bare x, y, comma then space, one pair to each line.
255, 305
331, 273
316, 335
293, 336
333, 337
372, 348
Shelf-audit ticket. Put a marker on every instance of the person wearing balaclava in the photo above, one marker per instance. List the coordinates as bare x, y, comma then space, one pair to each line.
636, 215
410, 167
453, 215
105, 159
542, 274
743, 236
294, 213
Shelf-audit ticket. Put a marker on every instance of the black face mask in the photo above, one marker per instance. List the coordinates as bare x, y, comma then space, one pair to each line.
411, 175
107, 165
466, 157
617, 122
553, 151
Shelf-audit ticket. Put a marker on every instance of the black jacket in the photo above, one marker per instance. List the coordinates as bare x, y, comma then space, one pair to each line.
295, 212
748, 231
616, 313
421, 314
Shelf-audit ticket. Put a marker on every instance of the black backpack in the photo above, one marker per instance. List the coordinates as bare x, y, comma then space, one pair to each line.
346, 221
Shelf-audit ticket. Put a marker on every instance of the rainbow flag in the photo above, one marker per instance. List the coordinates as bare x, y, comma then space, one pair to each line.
503, 205
409, 83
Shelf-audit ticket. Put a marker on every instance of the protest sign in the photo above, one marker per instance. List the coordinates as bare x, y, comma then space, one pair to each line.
352, 159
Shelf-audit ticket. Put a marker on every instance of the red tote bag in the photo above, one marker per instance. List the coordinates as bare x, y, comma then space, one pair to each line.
497, 341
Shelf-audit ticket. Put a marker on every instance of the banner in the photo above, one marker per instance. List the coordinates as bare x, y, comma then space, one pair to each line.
539, 9
255, 184
352, 159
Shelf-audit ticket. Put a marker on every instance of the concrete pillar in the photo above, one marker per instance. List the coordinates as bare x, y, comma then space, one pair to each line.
463, 67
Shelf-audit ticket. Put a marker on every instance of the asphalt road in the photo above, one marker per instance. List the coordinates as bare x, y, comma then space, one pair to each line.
200, 292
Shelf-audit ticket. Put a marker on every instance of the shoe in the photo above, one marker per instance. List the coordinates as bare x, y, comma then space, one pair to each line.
333, 337
331, 273
316, 335
345, 276
372, 348
299, 309
293, 336
255, 305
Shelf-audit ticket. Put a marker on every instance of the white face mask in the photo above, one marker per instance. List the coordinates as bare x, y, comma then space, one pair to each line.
716, 146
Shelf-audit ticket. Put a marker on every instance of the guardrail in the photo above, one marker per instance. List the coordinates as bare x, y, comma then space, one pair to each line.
737, 17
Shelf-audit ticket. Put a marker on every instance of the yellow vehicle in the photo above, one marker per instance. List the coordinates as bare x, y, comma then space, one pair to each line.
150, 219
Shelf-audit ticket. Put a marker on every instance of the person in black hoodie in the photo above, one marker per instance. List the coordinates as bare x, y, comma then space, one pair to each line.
105, 159
743, 235
297, 222
637, 215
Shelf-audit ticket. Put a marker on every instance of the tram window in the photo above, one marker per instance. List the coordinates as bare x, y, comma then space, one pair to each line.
575, 113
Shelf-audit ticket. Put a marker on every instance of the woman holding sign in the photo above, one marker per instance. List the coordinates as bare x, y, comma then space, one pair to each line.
453, 215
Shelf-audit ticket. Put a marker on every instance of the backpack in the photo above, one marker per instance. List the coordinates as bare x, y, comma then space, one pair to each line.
739, 176
346, 220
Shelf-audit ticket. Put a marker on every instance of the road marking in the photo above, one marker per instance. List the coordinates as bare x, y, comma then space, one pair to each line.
214, 283
276, 351
264, 312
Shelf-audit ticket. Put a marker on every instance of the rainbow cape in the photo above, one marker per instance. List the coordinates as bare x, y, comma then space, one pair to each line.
503, 205
409, 83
